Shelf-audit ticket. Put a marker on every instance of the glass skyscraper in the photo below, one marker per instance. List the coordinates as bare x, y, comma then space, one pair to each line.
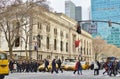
107, 10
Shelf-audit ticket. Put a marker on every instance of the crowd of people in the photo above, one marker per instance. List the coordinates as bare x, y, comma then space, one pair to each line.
32, 66
23, 66
110, 67
54, 62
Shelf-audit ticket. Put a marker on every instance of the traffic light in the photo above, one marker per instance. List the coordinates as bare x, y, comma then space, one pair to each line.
109, 23
78, 29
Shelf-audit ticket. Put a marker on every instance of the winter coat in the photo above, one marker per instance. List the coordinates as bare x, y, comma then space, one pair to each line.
78, 66
96, 65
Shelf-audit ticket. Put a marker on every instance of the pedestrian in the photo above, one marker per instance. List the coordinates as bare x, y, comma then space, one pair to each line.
106, 67
15, 66
54, 66
11, 62
78, 67
35, 65
46, 63
31, 66
59, 65
114, 68
96, 67
27, 66
23, 65
19, 66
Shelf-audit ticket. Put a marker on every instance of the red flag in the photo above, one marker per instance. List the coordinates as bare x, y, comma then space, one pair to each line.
77, 42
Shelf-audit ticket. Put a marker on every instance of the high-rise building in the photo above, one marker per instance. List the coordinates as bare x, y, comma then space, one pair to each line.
73, 11
112, 38
70, 9
78, 13
90, 27
106, 10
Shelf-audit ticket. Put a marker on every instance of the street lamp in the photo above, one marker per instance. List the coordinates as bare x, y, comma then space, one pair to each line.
36, 49
80, 54
37, 43
51, 48
21, 49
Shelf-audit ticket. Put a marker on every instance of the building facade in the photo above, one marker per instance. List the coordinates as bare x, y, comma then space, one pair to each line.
53, 35
106, 10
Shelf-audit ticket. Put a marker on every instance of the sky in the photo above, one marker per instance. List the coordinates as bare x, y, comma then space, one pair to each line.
59, 6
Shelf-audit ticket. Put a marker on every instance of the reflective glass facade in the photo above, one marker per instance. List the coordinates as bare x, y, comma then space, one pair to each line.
107, 10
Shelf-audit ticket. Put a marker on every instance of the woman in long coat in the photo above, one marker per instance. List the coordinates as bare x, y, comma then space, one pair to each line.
78, 67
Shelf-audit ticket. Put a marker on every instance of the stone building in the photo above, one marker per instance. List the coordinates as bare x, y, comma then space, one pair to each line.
53, 35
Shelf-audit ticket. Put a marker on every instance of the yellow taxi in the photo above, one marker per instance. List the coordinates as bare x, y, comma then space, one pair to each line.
71, 66
85, 65
4, 64
41, 67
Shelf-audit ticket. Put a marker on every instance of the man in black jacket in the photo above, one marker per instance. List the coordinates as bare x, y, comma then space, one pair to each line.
46, 65
59, 65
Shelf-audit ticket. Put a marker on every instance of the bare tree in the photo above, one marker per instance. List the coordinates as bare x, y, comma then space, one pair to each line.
98, 46
14, 16
111, 50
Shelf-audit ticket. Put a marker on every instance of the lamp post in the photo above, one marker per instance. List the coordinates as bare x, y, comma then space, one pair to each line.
21, 49
51, 50
36, 49
80, 54
38, 43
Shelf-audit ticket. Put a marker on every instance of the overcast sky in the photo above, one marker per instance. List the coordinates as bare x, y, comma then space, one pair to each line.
59, 6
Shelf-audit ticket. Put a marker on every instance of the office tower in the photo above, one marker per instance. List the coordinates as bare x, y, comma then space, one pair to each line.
73, 11
107, 10
70, 9
90, 27
114, 37
78, 13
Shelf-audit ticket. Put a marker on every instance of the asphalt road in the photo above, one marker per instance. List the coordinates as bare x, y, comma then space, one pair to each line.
87, 74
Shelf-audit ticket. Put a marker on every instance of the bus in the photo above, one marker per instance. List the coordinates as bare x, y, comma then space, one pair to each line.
111, 59
4, 64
